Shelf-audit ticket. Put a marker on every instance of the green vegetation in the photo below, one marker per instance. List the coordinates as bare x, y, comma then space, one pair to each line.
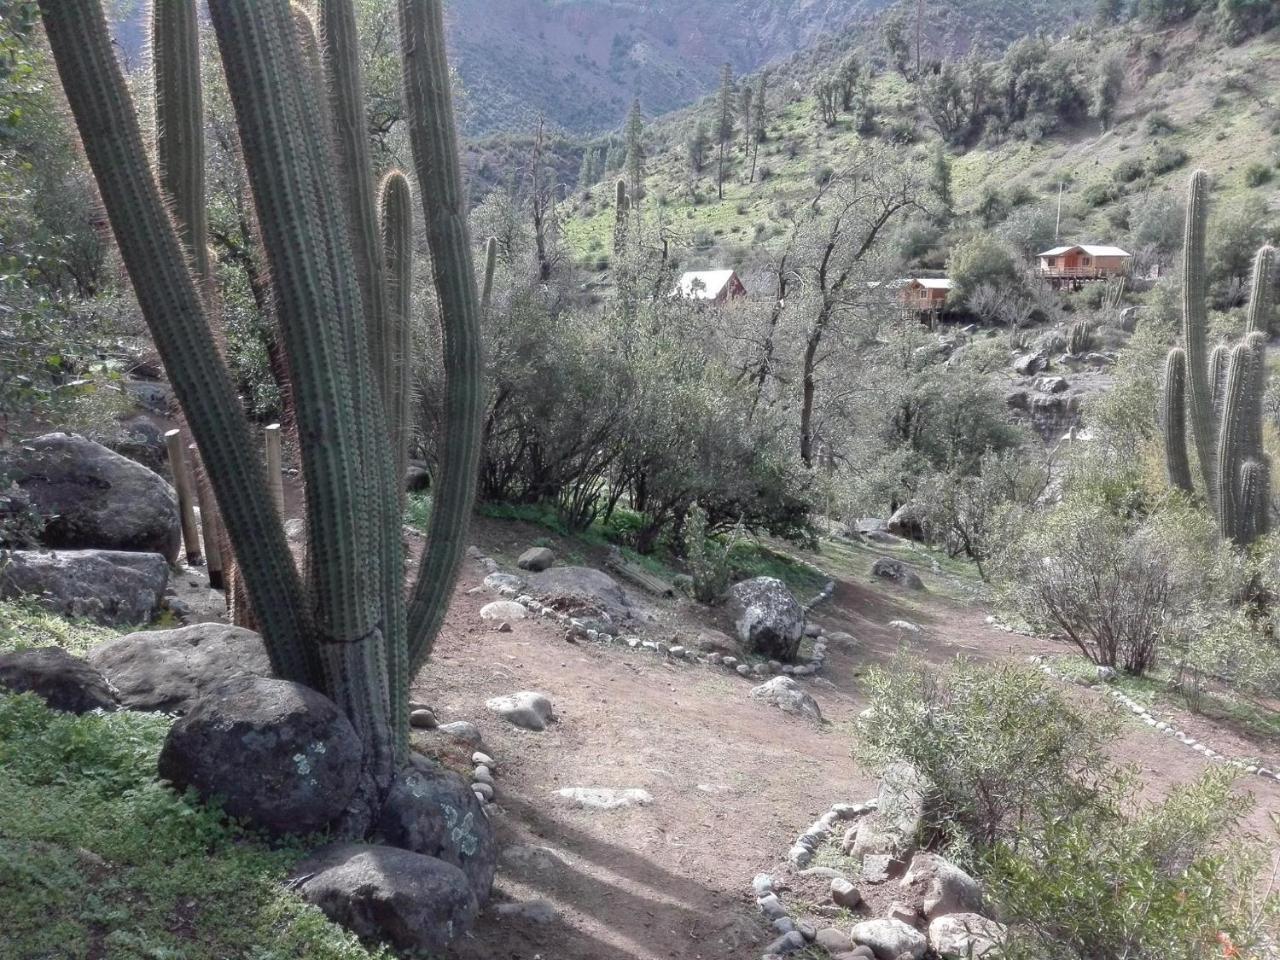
1021, 793
98, 859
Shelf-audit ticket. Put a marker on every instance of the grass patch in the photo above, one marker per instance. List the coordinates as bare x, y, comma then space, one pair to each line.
750, 558
98, 860
24, 624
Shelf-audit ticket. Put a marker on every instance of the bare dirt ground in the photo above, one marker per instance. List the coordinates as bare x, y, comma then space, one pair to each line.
733, 781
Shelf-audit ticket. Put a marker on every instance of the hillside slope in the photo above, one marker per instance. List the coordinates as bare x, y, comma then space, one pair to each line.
1187, 101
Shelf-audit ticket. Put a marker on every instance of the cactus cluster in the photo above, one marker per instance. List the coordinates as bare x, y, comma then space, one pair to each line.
340, 257
1080, 340
1220, 392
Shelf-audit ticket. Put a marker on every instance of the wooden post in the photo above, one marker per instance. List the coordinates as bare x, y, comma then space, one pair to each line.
275, 467
186, 502
209, 524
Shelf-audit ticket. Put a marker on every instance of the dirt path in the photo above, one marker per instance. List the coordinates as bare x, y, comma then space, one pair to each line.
732, 781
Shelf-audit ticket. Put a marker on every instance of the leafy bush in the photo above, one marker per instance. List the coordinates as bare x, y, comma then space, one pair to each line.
1128, 170
997, 743
708, 559
1116, 588
1161, 885
1166, 159
1158, 123
1257, 174
1099, 194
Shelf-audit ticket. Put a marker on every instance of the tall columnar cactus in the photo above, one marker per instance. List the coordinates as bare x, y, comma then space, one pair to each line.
395, 206
1175, 421
1195, 289
1081, 338
490, 268
1222, 391
179, 102
346, 630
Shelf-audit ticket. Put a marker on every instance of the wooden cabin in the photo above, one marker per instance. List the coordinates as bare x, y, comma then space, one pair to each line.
710, 286
924, 295
1083, 263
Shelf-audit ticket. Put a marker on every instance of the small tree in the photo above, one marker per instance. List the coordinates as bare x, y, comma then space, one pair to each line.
724, 122
707, 558
699, 141
635, 152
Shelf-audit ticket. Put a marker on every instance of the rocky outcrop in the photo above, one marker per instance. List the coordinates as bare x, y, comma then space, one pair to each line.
581, 585
894, 827
275, 753
93, 498
169, 670
767, 618
536, 559
412, 901
111, 587
433, 811
61, 680
886, 568
940, 887
789, 697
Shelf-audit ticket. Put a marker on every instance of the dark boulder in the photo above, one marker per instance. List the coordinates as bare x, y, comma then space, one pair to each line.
94, 498
276, 753
63, 681
433, 811
111, 587
410, 900
769, 621
168, 670
887, 568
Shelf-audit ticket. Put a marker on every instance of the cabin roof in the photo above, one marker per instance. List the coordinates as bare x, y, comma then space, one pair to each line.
929, 283
1093, 250
704, 284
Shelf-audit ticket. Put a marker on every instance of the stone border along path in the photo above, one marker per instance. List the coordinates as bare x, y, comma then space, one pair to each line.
796, 934
580, 630
1161, 726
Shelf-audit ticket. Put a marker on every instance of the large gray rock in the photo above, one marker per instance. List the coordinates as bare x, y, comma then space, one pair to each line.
886, 568
941, 887
584, 585
907, 522
891, 939
894, 827
528, 710
965, 936
168, 670
94, 498
789, 697
412, 901
63, 681
111, 587
433, 811
277, 754
537, 559
766, 617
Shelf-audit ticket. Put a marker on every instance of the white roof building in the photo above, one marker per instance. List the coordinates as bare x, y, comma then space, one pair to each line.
709, 285
1092, 250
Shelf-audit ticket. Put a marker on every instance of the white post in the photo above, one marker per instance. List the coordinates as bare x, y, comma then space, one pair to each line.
182, 484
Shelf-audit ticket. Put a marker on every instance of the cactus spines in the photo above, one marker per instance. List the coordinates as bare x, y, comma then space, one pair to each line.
1260, 300
1175, 421
1081, 338
1218, 360
444, 200
1255, 499
621, 207
1232, 441
395, 206
175, 44
1196, 326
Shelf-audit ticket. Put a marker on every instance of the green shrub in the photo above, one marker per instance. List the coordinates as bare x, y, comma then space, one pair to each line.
1166, 159
1257, 174
1100, 194
996, 742
1128, 170
707, 558
1160, 885
1158, 123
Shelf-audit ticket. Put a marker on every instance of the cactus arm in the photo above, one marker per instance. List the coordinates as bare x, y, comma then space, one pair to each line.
309, 40
1218, 361
1232, 441
1260, 298
444, 201
1255, 496
1175, 421
175, 42
171, 304
1196, 327
340, 52
341, 434
396, 213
